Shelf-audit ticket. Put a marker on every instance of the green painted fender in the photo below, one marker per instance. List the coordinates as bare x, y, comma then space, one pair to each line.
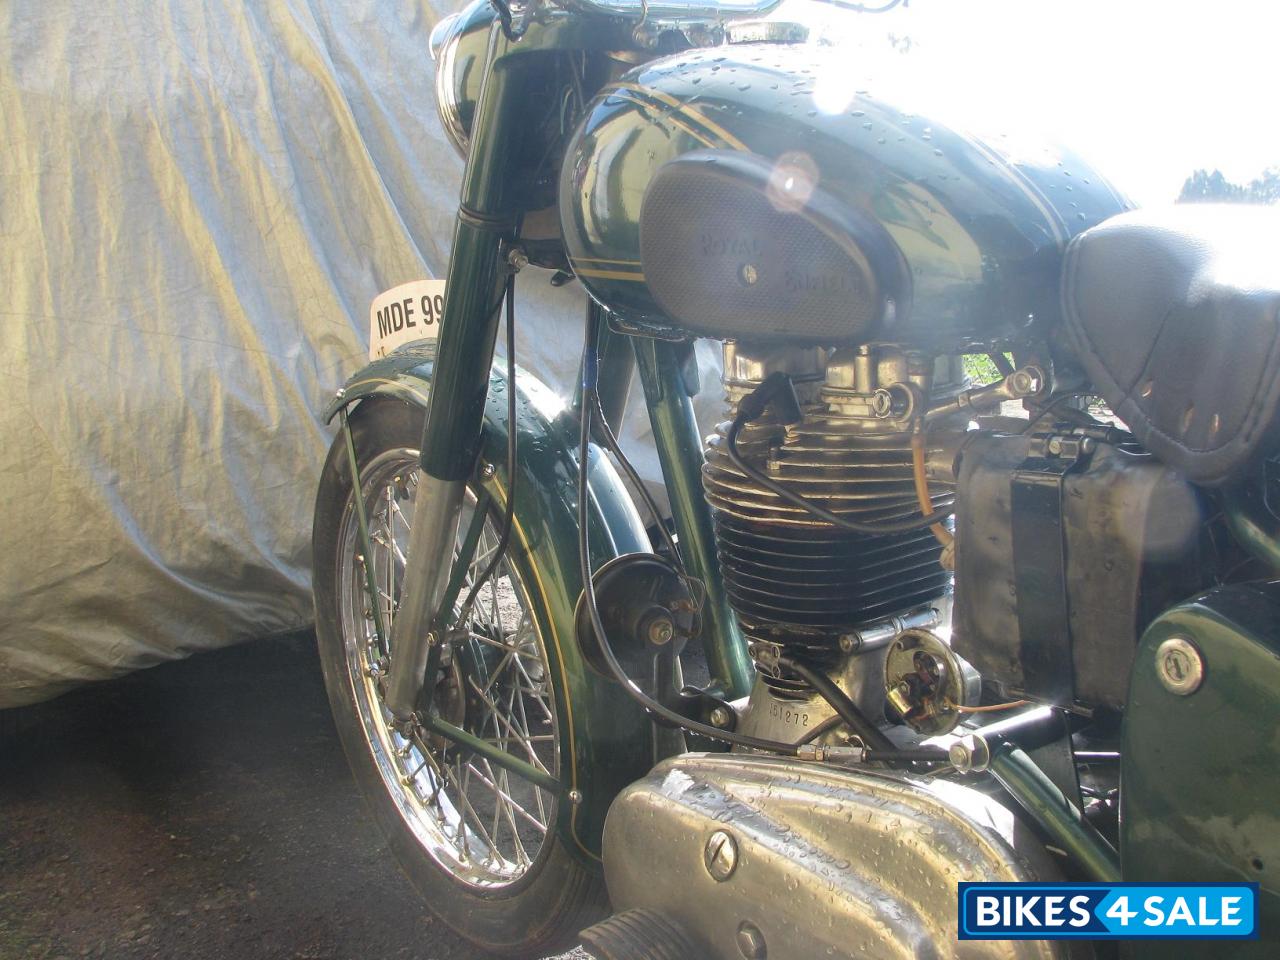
607, 737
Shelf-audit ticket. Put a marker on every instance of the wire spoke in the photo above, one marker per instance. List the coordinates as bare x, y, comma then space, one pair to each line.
519, 736
489, 641
515, 807
483, 824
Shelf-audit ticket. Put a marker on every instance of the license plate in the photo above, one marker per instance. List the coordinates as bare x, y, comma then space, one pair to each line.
411, 311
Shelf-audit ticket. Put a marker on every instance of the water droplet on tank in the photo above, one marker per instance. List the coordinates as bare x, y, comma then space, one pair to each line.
744, 86
937, 153
879, 139
858, 113
867, 125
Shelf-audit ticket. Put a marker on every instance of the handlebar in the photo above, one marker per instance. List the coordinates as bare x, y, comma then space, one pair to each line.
672, 9
705, 9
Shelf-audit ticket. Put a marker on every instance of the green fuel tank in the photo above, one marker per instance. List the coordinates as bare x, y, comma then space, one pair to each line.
711, 193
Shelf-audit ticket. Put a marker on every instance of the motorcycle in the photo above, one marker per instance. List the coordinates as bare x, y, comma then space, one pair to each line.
951, 631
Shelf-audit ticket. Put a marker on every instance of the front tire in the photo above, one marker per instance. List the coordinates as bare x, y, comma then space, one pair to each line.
482, 846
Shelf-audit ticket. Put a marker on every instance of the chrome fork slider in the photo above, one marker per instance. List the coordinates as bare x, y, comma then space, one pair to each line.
431, 543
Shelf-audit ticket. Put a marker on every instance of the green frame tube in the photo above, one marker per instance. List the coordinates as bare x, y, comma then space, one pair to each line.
679, 444
466, 553
1059, 817
1251, 523
362, 521
493, 754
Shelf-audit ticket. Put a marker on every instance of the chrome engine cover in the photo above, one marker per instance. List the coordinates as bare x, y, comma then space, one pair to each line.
820, 861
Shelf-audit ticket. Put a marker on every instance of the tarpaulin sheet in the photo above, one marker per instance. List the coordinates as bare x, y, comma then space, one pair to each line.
198, 200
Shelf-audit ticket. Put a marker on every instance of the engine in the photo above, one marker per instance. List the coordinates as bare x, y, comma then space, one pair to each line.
798, 584
1066, 540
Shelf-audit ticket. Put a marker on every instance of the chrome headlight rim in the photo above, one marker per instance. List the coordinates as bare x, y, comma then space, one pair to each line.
444, 49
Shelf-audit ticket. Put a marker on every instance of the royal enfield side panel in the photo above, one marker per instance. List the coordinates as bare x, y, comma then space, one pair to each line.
1200, 761
982, 230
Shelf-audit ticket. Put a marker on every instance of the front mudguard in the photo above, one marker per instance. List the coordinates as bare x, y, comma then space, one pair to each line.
606, 739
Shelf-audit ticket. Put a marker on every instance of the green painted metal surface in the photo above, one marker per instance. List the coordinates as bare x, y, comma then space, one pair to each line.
1200, 774
495, 755
508, 173
366, 546
1059, 817
605, 741
679, 445
1252, 523
981, 223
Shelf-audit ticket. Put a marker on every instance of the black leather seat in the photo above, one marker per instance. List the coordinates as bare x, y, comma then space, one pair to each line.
1175, 316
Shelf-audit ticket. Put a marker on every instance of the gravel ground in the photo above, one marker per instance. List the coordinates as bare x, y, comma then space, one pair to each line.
201, 809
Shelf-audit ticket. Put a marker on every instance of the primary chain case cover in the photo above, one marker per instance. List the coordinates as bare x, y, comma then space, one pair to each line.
805, 860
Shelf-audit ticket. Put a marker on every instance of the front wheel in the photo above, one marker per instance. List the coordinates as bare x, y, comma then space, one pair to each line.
481, 844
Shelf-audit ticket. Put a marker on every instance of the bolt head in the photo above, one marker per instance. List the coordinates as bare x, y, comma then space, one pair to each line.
575, 797
751, 942
1055, 446
720, 855
720, 717
882, 403
487, 470
1180, 666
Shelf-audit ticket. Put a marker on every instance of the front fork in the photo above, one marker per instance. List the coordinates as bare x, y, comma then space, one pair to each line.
487, 225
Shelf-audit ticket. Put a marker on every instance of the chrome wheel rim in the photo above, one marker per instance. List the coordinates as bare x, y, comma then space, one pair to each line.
484, 826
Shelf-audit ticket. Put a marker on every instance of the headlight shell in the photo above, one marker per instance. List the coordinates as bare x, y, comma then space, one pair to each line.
459, 44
